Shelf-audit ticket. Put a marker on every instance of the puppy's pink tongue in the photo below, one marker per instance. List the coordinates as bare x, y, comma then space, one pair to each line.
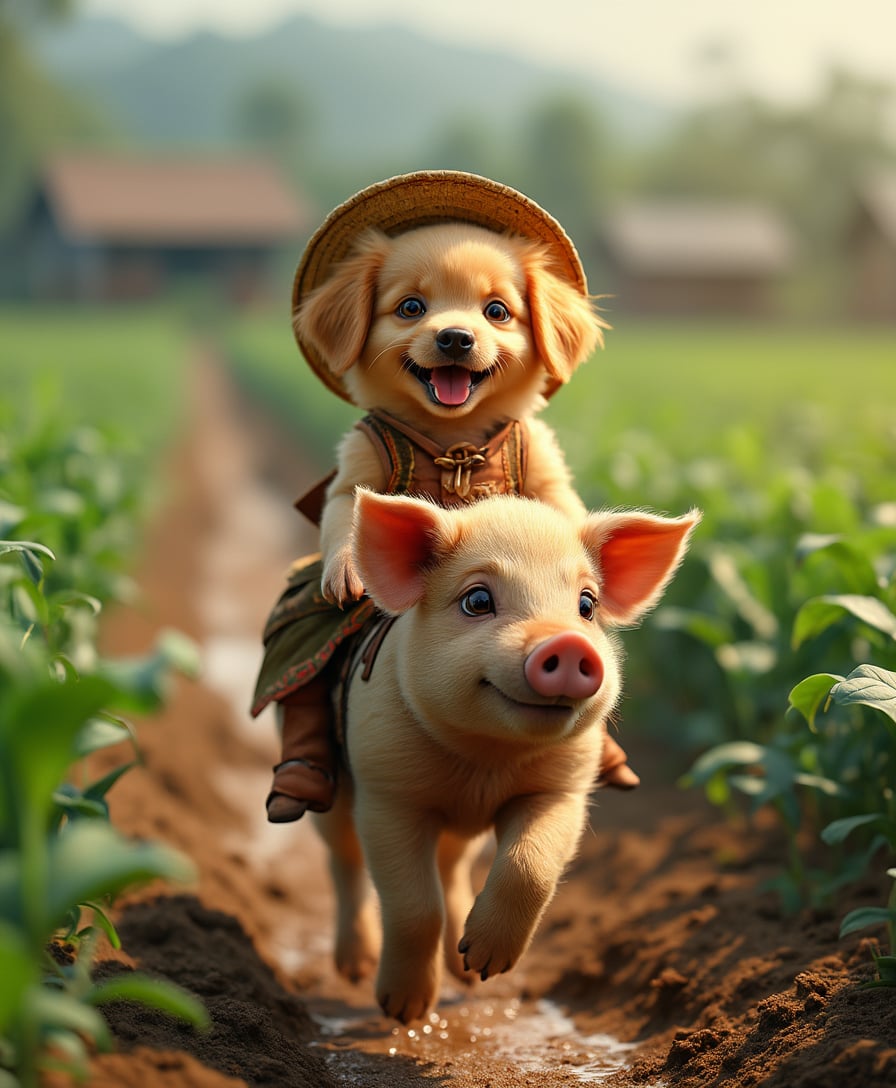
451, 384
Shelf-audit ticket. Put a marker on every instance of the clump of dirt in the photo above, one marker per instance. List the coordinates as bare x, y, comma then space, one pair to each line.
658, 937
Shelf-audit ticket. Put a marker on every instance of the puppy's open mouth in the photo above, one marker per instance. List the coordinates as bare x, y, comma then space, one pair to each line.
450, 386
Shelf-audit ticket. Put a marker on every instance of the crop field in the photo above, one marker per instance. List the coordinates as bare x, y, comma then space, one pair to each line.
769, 670
120, 369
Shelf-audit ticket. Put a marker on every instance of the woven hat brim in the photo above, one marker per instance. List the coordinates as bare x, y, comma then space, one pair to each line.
421, 199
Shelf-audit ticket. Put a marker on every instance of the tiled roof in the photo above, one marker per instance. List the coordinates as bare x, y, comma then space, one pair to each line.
171, 200
677, 238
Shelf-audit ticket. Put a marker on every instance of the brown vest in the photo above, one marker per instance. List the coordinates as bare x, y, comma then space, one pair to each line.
463, 473
415, 465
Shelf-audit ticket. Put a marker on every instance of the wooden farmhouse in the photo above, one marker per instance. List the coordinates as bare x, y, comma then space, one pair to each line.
101, 227
695, 259
872, 249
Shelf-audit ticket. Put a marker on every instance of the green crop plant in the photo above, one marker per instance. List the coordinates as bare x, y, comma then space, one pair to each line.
834, 773
875, 688
61, 860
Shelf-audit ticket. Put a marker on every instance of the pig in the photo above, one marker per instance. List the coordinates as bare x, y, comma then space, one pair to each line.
485, 708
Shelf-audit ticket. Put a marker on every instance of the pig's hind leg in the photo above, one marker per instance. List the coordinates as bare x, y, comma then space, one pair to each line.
357, 930
400, 848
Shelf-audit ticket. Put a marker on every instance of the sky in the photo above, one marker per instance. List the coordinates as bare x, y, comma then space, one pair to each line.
778, 48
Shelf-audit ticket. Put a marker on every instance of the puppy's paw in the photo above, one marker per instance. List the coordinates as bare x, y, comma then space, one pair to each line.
340, 583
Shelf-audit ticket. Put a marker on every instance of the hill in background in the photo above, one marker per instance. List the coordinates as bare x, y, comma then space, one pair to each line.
382, 93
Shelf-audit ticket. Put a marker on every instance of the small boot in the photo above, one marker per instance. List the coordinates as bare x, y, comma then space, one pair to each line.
305, 777
614, 768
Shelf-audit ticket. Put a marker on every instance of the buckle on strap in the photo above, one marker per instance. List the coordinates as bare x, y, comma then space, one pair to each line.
459, 461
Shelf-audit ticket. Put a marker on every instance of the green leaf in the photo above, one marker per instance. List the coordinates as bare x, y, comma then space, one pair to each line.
105, 923
866, 916
38, 756
855, 568
710, 630
179, 652
58, 1009
809, 694
10, 516
868, 685
97, 790
18, 972
809, 543
90, 860
818, 782
154, 994
819, 613
839, 830
102, 731
74, 803
747, 658
740, 753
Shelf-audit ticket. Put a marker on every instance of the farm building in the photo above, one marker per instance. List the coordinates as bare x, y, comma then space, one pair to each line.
872, 249
690, 258
104, 227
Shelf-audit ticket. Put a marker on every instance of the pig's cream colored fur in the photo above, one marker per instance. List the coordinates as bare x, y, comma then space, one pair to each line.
447, 739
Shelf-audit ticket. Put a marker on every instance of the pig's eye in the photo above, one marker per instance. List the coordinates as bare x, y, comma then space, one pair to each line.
477, 602
587, 605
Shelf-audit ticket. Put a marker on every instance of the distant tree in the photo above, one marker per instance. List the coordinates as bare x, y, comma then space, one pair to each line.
564, 160
804, 159
34, 114
272, 117
467, 143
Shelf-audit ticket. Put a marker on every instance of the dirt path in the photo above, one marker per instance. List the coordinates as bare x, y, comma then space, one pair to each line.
656, 964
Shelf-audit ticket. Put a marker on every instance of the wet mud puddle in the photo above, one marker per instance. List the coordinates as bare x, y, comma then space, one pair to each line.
468, 1038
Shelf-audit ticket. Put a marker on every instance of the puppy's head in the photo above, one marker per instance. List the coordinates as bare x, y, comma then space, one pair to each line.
452, 319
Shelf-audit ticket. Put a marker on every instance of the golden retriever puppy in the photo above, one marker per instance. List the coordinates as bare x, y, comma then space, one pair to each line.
485, 708
453, 330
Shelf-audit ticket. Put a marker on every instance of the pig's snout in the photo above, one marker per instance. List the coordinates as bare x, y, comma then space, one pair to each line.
565, 665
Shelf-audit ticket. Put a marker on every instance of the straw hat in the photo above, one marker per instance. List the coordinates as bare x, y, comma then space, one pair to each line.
416, 200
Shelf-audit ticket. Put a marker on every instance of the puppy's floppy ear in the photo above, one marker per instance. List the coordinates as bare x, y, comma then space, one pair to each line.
335, 318
564, 324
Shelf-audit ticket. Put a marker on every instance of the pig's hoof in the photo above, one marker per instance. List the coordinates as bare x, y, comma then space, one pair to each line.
357, 952
482, 960
404, 1007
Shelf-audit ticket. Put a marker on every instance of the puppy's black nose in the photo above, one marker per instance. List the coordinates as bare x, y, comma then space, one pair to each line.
455, 343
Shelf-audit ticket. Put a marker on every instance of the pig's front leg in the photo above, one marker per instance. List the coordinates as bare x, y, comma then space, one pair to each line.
537, 836
401, 854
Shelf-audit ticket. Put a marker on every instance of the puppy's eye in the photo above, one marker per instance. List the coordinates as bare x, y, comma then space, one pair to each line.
477, 601
587, 605
411, 307
497, 311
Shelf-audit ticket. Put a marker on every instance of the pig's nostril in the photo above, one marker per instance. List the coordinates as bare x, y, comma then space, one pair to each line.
551, 663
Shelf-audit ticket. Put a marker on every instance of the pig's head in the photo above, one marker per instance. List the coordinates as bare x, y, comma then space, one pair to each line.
512, 606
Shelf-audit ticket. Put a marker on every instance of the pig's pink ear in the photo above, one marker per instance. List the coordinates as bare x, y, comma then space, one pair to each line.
637, 554
394, 541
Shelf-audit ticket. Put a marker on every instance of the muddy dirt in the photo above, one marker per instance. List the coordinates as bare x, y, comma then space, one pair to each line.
658, 962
